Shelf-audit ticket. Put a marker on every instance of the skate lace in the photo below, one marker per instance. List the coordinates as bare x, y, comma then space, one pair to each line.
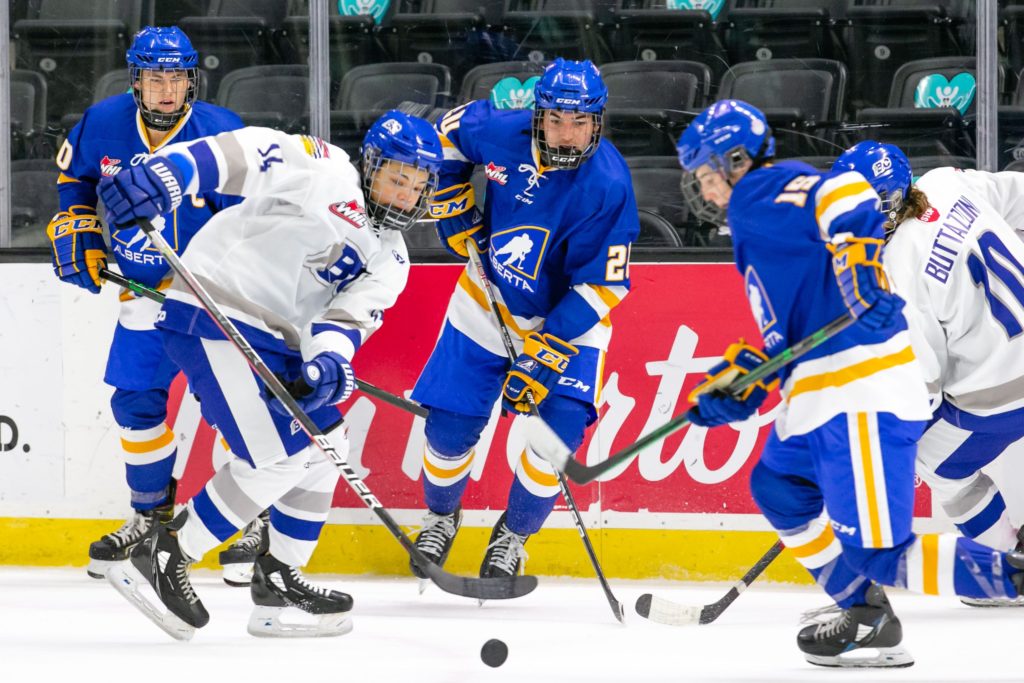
819, 615
437, 530
133, 529
182, 572
252, 536
831, 628
508, 550
298, 578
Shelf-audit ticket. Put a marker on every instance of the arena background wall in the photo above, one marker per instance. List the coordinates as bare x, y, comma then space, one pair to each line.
681, 510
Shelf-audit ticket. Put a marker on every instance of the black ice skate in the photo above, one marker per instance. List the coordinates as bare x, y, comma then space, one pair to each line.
505, 552
159, 561
866, 635
1002, 602
435, 540
238, 558
277, 586
115, 546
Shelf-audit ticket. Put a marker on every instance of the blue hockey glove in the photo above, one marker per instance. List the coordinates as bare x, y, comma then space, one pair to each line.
78, 248
326, 380
152, 188
857, 264
458, 219
716, 405
544, 358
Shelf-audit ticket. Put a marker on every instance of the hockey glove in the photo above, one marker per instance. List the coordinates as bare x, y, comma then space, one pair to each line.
152, 188
326, 380
544, 358
458, 219
857, 263
716, 405
78, 248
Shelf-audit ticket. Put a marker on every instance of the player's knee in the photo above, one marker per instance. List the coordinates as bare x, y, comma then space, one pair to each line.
452, 434
786, 502
568, 418
878, 564
139, 409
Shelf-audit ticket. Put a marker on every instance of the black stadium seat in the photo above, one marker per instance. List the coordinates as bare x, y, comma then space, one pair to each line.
645, 30
28, 111
542, 30
69, 41
801, 98
34, 201
351, 40
777, 29
244, 91
479, 84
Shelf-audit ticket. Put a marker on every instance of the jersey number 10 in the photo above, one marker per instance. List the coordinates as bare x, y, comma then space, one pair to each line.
1008, 270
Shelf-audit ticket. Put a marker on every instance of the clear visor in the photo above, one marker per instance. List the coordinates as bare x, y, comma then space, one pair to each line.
397, 193
163, 95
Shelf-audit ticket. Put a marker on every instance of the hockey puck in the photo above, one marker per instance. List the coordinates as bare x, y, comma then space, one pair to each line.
494, 652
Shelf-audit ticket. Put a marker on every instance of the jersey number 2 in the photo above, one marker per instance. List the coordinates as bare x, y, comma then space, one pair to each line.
617, 268
1008, 270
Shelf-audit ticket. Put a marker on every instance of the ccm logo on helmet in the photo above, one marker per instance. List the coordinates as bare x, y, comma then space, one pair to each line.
566, 100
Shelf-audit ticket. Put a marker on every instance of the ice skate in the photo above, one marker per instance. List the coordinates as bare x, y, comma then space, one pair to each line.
505, 555
1018, 601
115, 546
238, 558
863, 636
159, 561
277, 587
435, 541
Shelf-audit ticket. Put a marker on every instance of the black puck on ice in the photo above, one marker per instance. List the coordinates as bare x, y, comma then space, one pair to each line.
494, 652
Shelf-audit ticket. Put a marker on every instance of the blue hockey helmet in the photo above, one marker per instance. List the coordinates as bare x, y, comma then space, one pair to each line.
884, 166
723, 137
163, 48
569, 86
396, 149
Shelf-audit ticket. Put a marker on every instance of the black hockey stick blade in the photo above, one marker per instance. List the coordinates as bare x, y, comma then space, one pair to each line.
667, 612
496, 588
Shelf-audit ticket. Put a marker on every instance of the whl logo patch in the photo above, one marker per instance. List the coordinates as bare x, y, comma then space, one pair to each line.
496, 173
109, 167
519, 250
350, 212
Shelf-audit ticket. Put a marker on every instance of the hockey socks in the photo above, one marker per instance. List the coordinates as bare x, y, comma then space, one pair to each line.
445, 479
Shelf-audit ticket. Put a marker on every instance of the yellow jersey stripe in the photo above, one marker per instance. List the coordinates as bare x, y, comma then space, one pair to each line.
851, 373
64, 178
835, 195
478, 296
930, 563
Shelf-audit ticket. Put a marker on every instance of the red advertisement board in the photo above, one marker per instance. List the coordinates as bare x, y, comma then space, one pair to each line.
674, 324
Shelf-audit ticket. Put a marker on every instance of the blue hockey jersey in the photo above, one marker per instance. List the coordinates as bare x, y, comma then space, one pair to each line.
559, 239
111, 137
781, 217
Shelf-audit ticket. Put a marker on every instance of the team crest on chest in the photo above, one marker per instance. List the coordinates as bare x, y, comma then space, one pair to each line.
517, 253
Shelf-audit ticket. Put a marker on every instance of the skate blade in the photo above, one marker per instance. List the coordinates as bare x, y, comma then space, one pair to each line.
993, 602
422, 585
127, 580
269, 622
866, 658
98, 569
238, 574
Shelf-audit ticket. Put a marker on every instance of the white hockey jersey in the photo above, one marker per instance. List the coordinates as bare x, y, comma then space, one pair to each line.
297, 264
960, 267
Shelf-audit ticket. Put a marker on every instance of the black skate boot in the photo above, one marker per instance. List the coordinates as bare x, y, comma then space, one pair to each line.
277, 586
505, 552
159, 561
435, 540
1018, 552
866, 635
237, 559
115, 546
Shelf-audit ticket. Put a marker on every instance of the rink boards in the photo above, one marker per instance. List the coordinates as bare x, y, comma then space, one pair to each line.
680, 510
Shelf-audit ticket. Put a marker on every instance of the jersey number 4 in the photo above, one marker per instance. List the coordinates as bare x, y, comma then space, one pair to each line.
1000, 263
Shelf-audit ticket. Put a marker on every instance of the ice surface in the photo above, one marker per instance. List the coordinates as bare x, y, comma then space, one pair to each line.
60, 625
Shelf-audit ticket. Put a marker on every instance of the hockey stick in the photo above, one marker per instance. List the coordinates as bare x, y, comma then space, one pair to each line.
666, 612
364, 386
617, 608
482, 589
584, 474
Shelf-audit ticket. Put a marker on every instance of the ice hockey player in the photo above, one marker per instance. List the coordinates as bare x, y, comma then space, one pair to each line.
836, 477
305, 272
955, 258
555, 235
115, 134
